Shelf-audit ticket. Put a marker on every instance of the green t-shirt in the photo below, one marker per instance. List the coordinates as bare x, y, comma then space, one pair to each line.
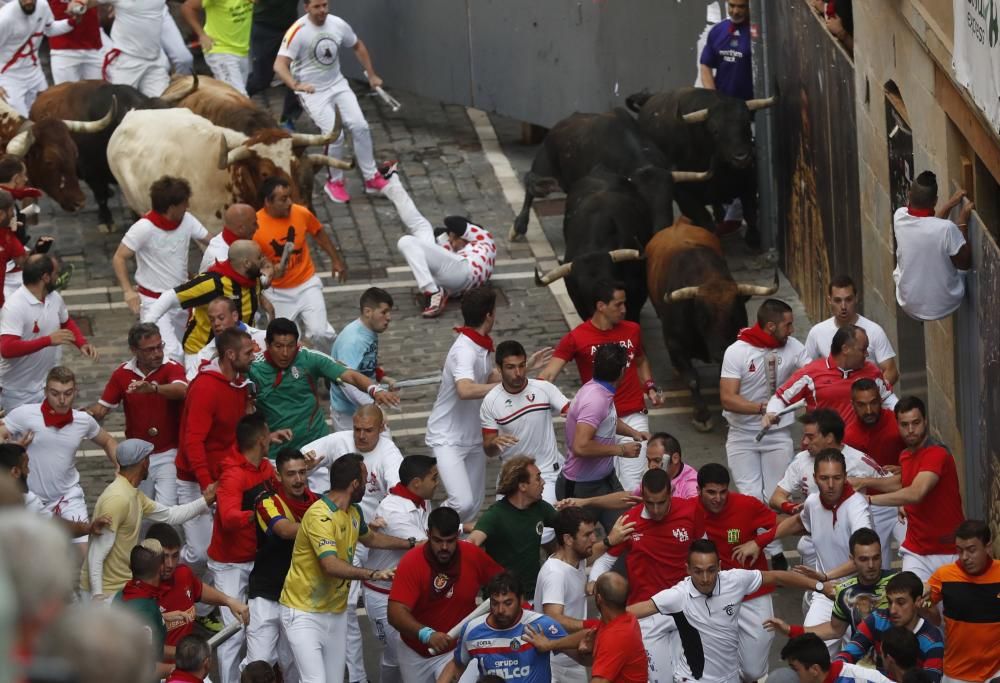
289, 398
148, 610
513, 538
227, 22
854, 601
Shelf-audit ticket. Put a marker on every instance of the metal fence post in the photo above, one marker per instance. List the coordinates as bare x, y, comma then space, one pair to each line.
763, 129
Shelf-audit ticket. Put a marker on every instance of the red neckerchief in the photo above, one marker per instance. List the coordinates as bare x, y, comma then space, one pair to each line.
137, 589
228, 236
757, 336
24, 192
281, 371
226, 268
919, 213
298, 506
183, 677
482, 340
831, 8
443, 577
53, 419
404, 492
161, 221
844, 495
834, 672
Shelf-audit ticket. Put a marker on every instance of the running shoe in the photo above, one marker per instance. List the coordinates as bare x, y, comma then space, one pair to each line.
375, 184
337, 191
435, 307
388, 168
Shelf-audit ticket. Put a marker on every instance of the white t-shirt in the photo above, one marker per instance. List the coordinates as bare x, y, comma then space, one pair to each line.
217, 250
52, 453
314, 50
821, 336
26, 317
799, 480
832, 540
928, 285
528, 416
161, 256
559, 583
759, 378
193, 361
454, 421
714, 620
403, 519
138, 27
382, 462
17, 29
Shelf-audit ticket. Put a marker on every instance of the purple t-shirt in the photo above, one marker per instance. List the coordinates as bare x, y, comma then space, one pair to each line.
684, 485
593, 405
727, 50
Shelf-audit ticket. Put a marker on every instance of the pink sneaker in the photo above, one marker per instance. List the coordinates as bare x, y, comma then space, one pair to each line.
375, 184
336, 191
435, 307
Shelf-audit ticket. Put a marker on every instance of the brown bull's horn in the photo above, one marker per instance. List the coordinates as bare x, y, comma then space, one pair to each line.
324, 160
699, 116
682, 294
758, 290
22, 142
94, 126
754, 105
620, 255
174, 99
557, 273
239, 154
691, 176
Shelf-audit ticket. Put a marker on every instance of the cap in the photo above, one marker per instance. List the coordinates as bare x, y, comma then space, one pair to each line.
132, 452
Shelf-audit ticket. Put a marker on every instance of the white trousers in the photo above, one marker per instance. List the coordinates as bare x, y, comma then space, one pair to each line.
71, 506
414, 221
317, 641
149, 76
886, 521
320, 107
820, 611
355, 649
69, 66
161, 484
758, 467
22, 88
197, 530
463, 473
229, 68
416, 668
231, 578
434, 267
924, 565
172, 42
377, 608
630, 470
266, 641
171, 325
565, 670
755, 640
659, 637
304, 305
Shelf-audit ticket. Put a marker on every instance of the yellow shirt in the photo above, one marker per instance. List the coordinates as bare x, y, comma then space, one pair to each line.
325, 530
126, 505
228, 24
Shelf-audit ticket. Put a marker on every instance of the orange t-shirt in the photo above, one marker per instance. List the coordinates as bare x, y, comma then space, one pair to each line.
971, 620
271, 235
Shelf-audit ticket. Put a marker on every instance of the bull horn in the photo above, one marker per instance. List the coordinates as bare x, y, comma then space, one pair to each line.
620, 255
94, 126
758, 290
699, 116
691, 176
177, 97
223, 153
559, 273
333, 162
754, 105
22, 142
682, 294
308, 140
239, 154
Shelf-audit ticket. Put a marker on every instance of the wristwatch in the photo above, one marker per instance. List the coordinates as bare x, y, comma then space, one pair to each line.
820, 587
412, 540
607, 542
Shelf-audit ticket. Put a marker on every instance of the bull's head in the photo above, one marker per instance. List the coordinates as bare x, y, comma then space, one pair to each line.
728, 123
558, 273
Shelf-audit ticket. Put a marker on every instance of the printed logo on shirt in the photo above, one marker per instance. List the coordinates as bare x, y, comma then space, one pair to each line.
295, 372
733, 536
325, 51
35, 328
515, 644
681, 535
508, 403
538, 528
752, 368
627, 345
530, 397
730, 609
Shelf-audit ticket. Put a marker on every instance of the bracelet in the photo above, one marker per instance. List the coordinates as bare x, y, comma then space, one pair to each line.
621, 450
826, 577
796, 631
762, 409
372, 388
371, 574
424, 634
650, 385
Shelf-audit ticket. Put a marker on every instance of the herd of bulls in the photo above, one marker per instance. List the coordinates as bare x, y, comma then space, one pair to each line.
622, 174
200, 129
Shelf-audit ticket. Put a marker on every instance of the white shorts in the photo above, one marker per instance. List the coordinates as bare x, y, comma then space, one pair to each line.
22, 88
924, 565
304, 305
630, 470
755, 640
266, 641
229, 68
149, 76
317, 642
69, 66
659, 637
71, 505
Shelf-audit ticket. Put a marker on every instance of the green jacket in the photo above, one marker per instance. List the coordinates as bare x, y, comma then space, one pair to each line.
289, 398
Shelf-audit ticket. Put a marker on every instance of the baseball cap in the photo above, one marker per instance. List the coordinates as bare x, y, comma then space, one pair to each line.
132, 452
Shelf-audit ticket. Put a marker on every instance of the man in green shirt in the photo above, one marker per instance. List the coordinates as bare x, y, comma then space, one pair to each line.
510, 531
287, 383
141, 597
225, 37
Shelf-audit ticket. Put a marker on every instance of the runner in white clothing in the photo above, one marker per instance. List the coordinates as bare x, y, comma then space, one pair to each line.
761, 359
308, 63
22, 25
159, 242
404, 513
137, 58
238, 223
56, 431
842, 299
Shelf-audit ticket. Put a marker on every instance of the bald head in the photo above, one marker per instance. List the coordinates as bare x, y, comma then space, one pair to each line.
246, 258
241, 220
613, 589
372, 411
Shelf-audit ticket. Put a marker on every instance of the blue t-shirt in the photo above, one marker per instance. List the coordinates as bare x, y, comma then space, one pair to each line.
356, 347
505, 653
727, 50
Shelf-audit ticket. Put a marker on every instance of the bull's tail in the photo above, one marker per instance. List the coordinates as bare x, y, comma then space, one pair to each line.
635, 101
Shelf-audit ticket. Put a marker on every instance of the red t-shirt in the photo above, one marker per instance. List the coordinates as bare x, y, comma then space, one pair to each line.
657, 551
580, 345
931, 523
415, 587
85, 36
149, 417
619, 653
881, 441
180, 594
10, 249
824, 385
736, 524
